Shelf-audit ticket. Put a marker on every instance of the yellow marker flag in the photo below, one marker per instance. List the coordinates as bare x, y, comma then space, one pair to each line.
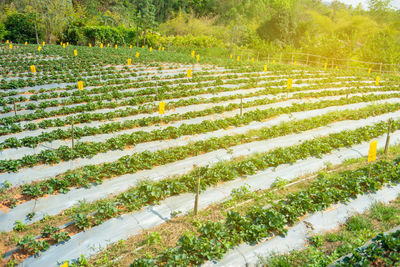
193, 54
238, 58
26, 43
231, 56
129, 61
198, 57
39, 48
63, 45
325, 66
337, 67
75, 52
189, 73
80, 85
372, 151
108, 45
116, 46
142, 46
162, 48
44, 43
7, 41
65, 264
161, 107
33, 68
265, 68
10, 46
67, 43
294, 63
151, 49
101, 45
289, 83
137, 54
252, 59
159, 48
377, 81
273, 61
369, 70
90, 44
130, 46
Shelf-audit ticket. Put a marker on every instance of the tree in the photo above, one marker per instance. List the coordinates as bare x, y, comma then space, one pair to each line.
144, 17
20, 28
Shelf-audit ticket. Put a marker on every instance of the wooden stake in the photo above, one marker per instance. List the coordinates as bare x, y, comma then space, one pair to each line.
196, 200
380, 69
388, 136
15, 109
241, 106
72, 134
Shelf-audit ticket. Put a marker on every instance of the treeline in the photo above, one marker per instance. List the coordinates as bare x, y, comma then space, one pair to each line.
267, 26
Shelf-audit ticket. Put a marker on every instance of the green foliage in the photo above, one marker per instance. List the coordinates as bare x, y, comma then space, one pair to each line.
19, 226
20, 28
3, 31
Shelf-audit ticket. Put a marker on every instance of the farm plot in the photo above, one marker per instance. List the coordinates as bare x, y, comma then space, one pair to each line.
86, 168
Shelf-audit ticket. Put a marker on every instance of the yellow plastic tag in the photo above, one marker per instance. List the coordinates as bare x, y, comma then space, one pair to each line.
67, 43
377, 81
116, 46
273, 61
252, 59
325, 66
33, 69
289, 83
63, 45
80, 85
10, 46
75, 52
26, 43
142, 46
44, 43
7, 41
265, 68
238, 58
130, 46
39, 48
65, 264
231, 56
90, 44
162, 48
137, 54
193, 54
198, 57
189, 73
101, 45
151, 49
369, 70
108, 45
161, 107
372, 151
294, 63
129, 61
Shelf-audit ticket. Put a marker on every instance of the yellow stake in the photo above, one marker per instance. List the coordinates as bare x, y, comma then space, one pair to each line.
273, 61
116, 46
80, 85
294, 63
252, 59
67, 43
75, 52
265, 68
189, 73
238, 58
129, 61
7, 41
372, 151
377, 81
63, 45
161, 107
289, 83
162, 48
10, 46
198, 57
130, 46
90, 44
33, 69
193, 54
137, 54
65, 264
151, 48
44, 43
108, 45
369, 70
142, 46
26, 43
39, 48
231, 56
101, 45
325, 66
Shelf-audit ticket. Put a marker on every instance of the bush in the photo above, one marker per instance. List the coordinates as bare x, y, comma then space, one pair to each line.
20, 28
3, 31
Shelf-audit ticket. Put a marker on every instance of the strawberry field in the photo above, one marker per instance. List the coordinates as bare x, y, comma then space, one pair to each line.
96, 175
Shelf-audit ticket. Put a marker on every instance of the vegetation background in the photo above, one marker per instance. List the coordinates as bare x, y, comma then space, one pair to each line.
262, 26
